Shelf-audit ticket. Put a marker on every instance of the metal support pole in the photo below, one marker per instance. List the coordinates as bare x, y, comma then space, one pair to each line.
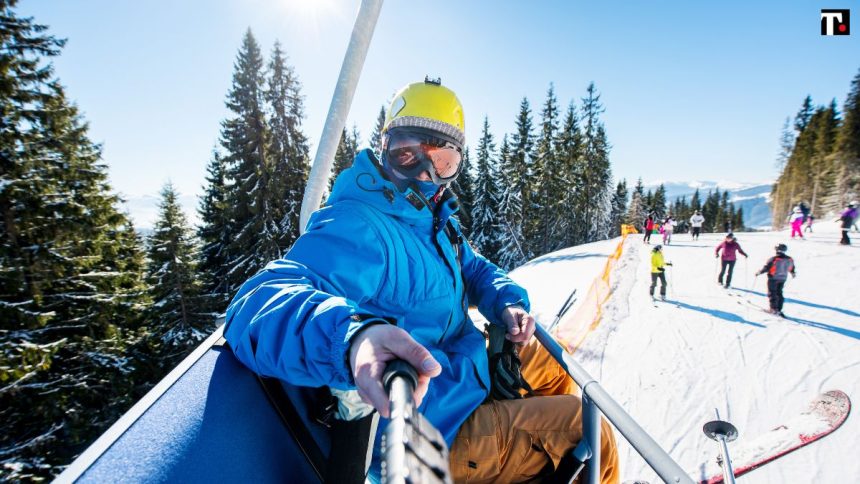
654, 455
350, 71
591, 432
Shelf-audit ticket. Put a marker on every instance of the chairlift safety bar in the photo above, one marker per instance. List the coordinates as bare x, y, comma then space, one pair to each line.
596, 400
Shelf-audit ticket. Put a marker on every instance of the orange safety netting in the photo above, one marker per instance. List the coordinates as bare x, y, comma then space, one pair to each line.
572, 330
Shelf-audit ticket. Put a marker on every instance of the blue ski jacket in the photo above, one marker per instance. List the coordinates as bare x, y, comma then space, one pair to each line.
374, 252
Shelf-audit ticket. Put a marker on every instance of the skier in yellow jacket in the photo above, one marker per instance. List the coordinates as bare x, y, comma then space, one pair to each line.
658, 271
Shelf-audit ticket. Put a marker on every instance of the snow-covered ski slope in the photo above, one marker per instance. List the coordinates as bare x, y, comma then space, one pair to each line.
670, 366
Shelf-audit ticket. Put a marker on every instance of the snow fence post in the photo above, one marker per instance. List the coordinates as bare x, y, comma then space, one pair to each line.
350, 71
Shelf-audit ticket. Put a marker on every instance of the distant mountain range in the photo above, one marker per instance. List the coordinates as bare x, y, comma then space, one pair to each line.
754, 198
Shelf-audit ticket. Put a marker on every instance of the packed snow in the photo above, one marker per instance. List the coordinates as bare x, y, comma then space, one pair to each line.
672, 365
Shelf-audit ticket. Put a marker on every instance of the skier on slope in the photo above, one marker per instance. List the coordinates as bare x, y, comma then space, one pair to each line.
796, 221
383, 272
668, 229
649, 227
730, 248
809, 220
658, 271
696, 222
804, 209
848, 216
777, 269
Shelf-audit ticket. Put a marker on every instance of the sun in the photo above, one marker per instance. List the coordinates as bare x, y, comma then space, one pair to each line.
311, 9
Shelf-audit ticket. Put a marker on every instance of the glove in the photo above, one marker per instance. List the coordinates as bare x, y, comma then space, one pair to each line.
506, 380
668, 263
716, 256
661, 269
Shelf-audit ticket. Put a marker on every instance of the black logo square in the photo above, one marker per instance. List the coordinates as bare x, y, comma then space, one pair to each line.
835, 21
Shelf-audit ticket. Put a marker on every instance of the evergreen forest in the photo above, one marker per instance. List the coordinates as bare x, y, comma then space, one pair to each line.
819, 158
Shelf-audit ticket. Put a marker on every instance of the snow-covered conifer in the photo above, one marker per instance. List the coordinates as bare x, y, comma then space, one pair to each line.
464, 189
485, 230
215, 234
177, 319
287, 149
254, 198
376, 135
71, 288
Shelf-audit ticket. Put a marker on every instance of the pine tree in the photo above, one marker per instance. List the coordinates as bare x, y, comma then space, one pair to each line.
619, 208
695, 202
710, 210
823, 167
464, 189
571, 156
658, 202
215, 233
810, 167
254, 196
376, 136
600, 176
347, 148
71, 288
597, 176
636, 212
738, 221
791, 181
541, 229
847, 165
177, 319
519, 171
510, 212
786, 144
804, 115
485, 228
286, 166
649, 202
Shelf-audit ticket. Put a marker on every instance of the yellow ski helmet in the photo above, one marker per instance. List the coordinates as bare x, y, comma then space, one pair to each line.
427, 105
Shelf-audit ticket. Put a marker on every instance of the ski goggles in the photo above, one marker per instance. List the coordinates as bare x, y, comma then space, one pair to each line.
411, 153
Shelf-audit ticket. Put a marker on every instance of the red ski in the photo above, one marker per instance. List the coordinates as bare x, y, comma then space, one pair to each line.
824, 415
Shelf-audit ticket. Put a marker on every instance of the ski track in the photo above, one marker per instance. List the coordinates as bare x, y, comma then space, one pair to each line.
670, 367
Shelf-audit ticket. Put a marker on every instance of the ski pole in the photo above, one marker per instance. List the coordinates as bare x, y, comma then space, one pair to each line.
413, 450
671, 286
716, 266
561, 312
722, 432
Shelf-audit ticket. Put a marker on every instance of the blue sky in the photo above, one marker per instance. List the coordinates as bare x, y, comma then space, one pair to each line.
693, 90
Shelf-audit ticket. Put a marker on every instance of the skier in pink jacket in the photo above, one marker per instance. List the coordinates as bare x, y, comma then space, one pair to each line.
796, 220
730, 247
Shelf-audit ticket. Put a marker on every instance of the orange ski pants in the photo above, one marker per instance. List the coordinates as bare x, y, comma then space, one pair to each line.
524, 440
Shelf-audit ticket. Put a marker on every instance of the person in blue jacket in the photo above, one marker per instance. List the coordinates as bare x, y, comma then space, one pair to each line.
383, 272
